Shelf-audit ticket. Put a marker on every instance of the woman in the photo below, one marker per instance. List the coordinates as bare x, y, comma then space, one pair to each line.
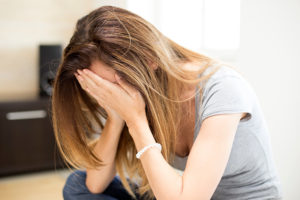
166, 109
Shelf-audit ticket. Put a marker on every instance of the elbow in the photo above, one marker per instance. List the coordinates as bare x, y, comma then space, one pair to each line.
98, 183
94, 188
184, 198
191, 197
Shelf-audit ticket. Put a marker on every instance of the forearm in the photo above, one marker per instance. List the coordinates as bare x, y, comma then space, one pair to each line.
98, 179
165, 182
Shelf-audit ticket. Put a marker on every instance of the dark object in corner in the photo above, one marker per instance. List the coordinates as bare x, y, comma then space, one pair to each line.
27, 142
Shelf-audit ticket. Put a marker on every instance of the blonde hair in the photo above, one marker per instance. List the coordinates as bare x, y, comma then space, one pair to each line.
127, 43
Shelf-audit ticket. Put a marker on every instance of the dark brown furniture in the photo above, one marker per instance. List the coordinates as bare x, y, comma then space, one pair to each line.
27, 141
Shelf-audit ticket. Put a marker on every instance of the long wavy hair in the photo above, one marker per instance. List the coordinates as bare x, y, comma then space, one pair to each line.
127, 43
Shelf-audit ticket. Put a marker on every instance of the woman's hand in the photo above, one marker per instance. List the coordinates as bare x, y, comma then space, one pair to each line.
120, 99
112, 114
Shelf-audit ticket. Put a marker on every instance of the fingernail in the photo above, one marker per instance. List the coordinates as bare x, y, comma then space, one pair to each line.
85, 71
80, 78
78, 71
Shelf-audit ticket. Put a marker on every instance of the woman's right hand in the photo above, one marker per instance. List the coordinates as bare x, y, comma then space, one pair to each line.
113, 116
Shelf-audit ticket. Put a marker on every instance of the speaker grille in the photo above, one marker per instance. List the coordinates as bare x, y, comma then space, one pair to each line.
49, 60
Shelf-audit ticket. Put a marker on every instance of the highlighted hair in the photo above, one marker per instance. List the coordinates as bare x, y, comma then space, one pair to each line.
127, 43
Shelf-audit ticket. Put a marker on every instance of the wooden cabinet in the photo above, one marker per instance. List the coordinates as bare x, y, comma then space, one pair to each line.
26, 137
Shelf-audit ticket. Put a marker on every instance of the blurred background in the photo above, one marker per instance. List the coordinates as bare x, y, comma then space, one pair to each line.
259, 37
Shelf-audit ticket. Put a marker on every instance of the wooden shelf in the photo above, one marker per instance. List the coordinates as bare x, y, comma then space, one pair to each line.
27, 141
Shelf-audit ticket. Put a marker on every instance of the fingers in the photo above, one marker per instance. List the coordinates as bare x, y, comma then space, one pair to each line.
90, 83
80, 81
94, 77
83, 85
125, 85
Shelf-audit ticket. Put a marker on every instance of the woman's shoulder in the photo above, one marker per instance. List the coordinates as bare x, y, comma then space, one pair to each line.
222, 71
227, 78
226, 91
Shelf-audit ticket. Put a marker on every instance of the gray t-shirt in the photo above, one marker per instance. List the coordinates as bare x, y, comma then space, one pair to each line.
250, 172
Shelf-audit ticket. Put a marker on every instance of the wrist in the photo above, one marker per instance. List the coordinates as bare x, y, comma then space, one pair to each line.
115, 122
136, 125
140, 131
115, 125
141, 135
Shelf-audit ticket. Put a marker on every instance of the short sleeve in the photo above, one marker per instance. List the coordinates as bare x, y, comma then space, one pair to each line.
229, 94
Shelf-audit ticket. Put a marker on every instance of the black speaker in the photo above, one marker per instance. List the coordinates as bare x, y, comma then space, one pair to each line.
49, 60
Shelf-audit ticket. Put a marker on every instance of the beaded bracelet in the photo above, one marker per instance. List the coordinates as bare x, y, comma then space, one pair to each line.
138, 155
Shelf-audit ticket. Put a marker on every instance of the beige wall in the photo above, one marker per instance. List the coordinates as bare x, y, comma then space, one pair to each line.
269, 55
26, 24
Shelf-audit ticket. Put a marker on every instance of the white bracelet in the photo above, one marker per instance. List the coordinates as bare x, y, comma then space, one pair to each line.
138, 155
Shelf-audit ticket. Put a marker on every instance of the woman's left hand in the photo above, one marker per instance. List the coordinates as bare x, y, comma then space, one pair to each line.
121, 97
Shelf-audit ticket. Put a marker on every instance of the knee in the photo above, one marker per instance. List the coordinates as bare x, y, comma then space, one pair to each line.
75, 184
